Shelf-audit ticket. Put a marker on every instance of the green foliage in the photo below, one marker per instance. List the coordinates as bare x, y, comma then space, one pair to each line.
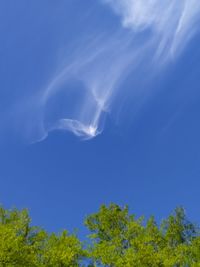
117, 239
22, 245
120, 239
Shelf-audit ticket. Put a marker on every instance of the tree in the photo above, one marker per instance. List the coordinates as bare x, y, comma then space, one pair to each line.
117, 239
120, 239
22, 245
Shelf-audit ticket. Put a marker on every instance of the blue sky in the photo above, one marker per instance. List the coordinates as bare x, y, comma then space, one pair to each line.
98, 105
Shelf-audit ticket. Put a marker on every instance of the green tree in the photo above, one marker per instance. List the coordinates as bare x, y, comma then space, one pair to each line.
117, 239
120, 239
22, 245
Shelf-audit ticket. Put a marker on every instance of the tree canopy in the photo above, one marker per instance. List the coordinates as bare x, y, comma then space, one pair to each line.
117, 239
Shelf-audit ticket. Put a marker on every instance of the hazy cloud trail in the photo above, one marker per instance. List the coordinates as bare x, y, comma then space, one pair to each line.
81, 93
172, 23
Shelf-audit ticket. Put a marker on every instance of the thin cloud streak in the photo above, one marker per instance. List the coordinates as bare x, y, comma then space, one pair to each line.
149, 27
99, 73
172, 23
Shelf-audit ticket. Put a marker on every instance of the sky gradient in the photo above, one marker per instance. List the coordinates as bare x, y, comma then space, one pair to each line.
99, 103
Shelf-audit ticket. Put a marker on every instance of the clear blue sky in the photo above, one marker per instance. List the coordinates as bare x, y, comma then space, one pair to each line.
147, 157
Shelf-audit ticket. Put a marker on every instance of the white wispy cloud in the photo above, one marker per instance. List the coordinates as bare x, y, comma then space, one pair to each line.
171, 22
98, 68
152, 31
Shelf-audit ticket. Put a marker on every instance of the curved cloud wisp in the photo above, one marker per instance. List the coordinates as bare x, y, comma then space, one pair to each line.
84, 90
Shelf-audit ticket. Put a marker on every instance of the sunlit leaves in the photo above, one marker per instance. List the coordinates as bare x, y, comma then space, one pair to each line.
117, 239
